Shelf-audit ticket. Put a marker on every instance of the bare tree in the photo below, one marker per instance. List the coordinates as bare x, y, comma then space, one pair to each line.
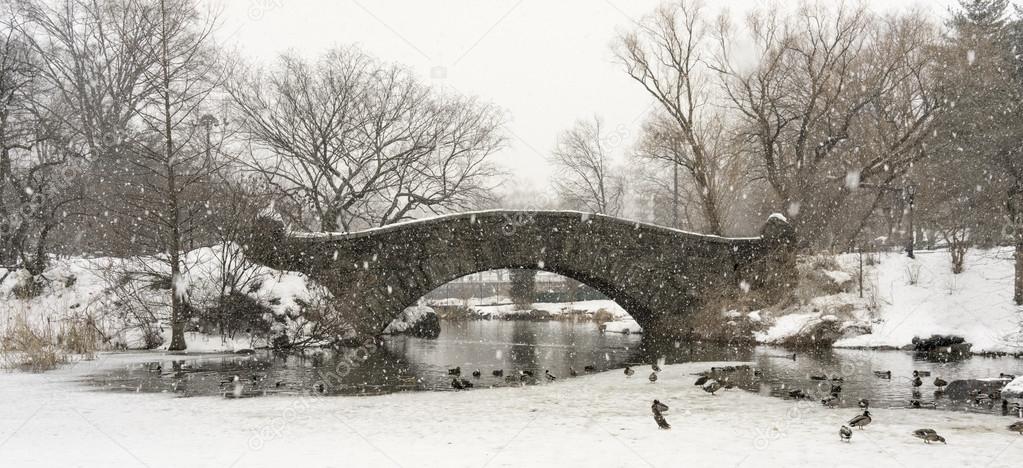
587, 178
666, 55
361, 143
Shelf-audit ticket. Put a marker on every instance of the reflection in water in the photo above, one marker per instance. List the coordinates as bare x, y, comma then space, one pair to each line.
413, 364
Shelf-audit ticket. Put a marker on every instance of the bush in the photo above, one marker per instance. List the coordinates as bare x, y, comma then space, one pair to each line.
28, 348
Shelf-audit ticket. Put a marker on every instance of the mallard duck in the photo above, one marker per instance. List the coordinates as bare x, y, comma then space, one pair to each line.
845, 434
657, 406
928, 436
830, 401
455, 371
498, 373
661, 422
862, 420
711, 386
883, 374
917, 382
863, 403
702, 380
550, 377
456, 384
939, 382
798, 394
653, 377
476, 373
655, 367
1017, 427
466, 383
629, 372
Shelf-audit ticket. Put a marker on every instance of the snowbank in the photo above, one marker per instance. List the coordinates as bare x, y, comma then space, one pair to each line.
122, 296
594, 420
905, 298
588, 308
625, 326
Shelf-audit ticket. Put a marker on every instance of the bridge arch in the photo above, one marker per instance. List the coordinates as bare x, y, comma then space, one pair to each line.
653, 272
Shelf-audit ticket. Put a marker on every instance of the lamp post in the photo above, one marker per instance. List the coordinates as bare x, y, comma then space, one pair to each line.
910, 194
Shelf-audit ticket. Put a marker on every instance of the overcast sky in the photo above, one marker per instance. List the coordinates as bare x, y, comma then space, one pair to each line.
546, 63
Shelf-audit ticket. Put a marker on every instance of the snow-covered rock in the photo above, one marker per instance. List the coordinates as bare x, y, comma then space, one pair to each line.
418, 320
1013, 389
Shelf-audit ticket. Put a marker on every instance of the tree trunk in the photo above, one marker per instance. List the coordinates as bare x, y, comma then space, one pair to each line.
1017, 294
174, 248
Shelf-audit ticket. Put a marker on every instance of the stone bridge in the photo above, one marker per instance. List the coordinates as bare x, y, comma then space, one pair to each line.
653, 272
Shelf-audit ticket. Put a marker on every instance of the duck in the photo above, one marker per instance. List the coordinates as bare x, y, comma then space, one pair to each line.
457, 384
830, 401
498, 373
572, 372
511, 379
836, 389
845, 434
589, 369
862, 420
863, 403
1017, 427
917, 382
653, 377
526, 372
629, 372
455, 371
798, 394
659, 407
476, 373
928, 436
939, 382
711, 386
550, 377
883, 374
655, 367
702, 380
466, 383
661, 422
320, 388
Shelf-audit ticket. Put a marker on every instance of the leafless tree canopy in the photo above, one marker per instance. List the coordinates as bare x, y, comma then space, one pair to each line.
587, 177
360, 143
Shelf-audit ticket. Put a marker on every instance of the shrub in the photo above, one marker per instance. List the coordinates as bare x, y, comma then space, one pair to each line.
29, 348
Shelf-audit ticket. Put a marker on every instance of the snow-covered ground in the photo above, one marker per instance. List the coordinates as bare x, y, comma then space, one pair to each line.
595, 420
906, 298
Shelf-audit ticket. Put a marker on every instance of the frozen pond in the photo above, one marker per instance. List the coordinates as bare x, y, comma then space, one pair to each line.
412, 364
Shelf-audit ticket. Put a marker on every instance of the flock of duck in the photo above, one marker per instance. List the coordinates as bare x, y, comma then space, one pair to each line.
845, 433
707, 384
522, 376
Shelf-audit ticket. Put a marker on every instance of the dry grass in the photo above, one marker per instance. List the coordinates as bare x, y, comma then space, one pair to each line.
38, 348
